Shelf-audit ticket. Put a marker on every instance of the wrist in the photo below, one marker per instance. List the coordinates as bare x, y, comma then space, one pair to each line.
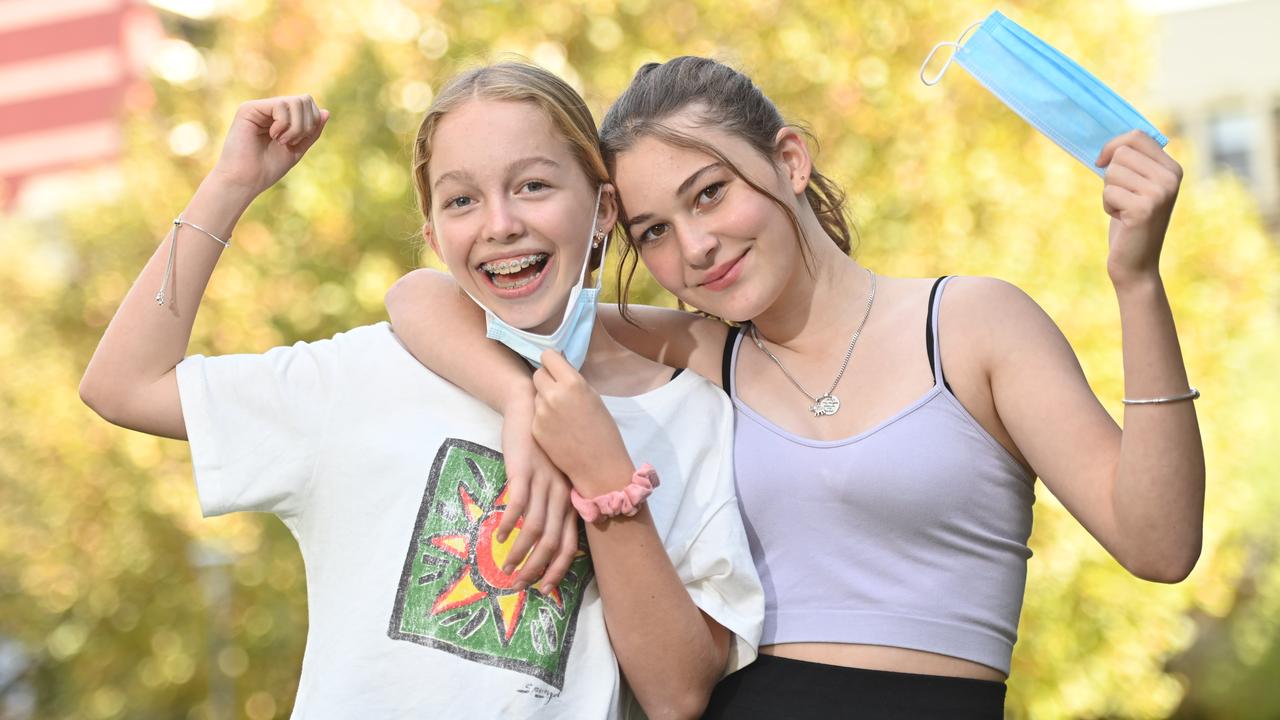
232, 191
1135, 281
517, 401
627, 501
609, 475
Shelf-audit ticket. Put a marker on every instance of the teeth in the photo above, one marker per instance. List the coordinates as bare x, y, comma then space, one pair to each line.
518, 283
506, 267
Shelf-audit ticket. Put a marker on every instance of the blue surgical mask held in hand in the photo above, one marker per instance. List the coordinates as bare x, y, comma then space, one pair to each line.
572, 338
1048, 89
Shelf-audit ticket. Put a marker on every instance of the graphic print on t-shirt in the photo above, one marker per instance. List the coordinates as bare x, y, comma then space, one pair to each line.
453, 595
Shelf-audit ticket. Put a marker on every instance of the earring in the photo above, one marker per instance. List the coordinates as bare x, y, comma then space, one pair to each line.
599, 239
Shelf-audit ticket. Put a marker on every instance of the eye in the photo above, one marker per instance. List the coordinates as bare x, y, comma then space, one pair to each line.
653, 233
534, 186
711, 193
459, 201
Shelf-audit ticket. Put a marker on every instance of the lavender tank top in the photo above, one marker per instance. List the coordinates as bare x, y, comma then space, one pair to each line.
911, 534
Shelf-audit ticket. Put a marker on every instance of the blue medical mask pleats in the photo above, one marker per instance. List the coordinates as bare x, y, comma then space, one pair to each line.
1046, 88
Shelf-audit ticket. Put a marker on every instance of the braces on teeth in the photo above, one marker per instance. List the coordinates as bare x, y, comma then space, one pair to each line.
506, 267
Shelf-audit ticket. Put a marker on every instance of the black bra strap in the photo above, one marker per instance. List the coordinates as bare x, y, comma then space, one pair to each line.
928, 334
726, 363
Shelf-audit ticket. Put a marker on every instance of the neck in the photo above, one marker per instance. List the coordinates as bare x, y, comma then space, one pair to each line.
611, 369
821, 297
603, 357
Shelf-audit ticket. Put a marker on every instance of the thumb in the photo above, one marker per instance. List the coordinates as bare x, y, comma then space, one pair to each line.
314, 135
557, 367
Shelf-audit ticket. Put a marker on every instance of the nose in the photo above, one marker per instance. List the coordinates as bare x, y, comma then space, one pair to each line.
501, 222
698, 246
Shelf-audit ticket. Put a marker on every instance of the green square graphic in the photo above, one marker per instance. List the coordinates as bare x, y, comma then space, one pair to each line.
453, 595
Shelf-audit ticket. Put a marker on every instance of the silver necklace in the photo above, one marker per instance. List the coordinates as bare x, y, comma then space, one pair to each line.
827, 403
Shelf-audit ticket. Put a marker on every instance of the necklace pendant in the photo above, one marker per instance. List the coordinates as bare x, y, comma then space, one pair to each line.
825, 405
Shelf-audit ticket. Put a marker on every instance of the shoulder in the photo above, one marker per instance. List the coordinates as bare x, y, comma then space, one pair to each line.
993, 315
705, 398
977, 300
368, 354
364, 345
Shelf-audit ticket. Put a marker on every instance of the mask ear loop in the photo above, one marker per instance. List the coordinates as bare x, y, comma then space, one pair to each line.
938, 78
604, 245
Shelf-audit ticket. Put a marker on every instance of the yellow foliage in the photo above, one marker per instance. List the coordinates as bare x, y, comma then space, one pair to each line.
99, 529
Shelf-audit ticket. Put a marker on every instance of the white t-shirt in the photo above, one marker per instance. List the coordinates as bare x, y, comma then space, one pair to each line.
392, 482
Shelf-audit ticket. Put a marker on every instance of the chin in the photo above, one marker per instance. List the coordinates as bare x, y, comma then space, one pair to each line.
735, 308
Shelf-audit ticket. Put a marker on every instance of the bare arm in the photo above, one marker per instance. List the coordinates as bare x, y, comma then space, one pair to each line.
426, 304
672, 337
671, 653
131, 379
1139, 491
444, 330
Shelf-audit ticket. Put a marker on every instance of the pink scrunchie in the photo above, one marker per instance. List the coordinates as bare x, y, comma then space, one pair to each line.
626, 501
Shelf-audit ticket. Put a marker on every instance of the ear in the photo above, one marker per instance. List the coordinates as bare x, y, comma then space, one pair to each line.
791, 153
607, 217
429, 236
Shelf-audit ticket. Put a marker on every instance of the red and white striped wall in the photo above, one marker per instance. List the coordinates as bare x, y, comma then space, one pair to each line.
65, 69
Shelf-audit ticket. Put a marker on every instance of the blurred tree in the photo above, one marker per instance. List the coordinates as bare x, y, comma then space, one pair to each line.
111, 582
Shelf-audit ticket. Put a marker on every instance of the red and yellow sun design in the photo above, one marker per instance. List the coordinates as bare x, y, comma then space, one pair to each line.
483, 556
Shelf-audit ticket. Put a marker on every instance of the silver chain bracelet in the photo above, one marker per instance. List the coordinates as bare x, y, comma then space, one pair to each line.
173, 245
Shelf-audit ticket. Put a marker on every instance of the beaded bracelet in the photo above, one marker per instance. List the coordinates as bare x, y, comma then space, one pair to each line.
626, 501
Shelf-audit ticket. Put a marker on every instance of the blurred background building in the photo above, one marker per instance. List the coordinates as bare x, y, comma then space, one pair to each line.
1217, 75
67, 68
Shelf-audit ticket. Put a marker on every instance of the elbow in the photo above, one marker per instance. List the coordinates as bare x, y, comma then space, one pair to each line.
95, 395
106, 396
395, 293
401, 291
680, 706
1170, 568
687, 701
102, 401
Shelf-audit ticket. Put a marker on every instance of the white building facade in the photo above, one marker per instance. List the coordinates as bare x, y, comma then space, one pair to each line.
1217, 76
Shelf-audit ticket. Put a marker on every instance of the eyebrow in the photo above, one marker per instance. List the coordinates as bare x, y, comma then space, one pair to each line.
688, 183
512, 168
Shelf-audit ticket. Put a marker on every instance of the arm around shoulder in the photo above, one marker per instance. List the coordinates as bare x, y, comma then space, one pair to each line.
445, 331
672, 337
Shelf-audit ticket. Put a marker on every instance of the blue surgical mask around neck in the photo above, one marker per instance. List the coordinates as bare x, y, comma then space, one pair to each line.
1048, 89
572, 338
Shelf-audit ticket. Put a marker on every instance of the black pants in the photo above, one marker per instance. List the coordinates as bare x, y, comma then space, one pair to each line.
774, 688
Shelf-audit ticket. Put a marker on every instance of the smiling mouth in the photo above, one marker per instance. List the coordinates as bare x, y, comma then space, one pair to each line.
715, 282
516, 272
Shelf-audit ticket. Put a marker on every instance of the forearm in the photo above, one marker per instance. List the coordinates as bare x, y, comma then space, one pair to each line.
145, 341
444, 330
1159, 490
666, 649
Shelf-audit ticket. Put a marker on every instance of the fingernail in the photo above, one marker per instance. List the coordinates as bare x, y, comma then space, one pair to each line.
520, 585
508, 568
545, 589
502, 535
